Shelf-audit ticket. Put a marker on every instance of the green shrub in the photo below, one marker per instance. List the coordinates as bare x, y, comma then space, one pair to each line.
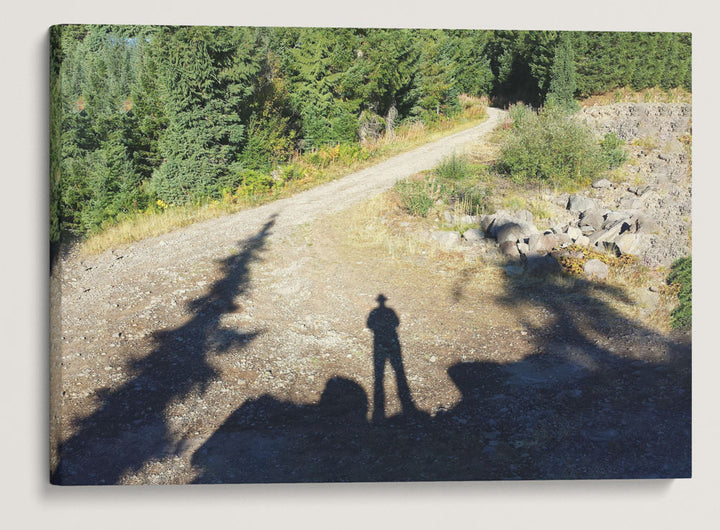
418, 196
520, 114
681, 277
551, 147
611, 149
255, 183
472, 201
454, 167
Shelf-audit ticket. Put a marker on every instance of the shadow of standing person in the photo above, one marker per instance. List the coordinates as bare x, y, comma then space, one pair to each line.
383, 321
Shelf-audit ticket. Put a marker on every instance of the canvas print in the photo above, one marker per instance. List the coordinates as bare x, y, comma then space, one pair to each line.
289, 255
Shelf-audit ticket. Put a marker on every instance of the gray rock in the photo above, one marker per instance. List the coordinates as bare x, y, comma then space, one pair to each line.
583, 241
630, 203
525, 215
541, 244
580, 203
564, 239
493, 222
534, 245
595, 268
513, 232
486, 221
446, 238
627, 243
574, 232
602, 183
609, 234
510, 232
594, 217
448, 217
470, 219
549, 241
510, 249
613, 217
473, 235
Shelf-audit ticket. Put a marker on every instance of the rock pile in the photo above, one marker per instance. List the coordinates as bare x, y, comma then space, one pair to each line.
646, 213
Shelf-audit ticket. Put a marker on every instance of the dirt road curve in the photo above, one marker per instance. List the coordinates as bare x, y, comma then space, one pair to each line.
209, 238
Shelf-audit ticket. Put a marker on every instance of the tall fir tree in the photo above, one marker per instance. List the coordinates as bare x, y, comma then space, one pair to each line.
208, 77
562, 87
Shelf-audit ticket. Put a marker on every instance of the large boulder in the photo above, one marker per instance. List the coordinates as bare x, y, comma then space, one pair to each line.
510, 232
613, 217
583, 241
525, 215
574, 232
608, 235
473, 235
627, 243
492, 224
509, 249
580, 203
594, 268
594, 217
645, 225
541, 244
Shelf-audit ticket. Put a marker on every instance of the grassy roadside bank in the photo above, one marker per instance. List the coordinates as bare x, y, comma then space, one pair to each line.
299, 174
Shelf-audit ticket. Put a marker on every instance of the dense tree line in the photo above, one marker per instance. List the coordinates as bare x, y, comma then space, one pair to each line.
181, 114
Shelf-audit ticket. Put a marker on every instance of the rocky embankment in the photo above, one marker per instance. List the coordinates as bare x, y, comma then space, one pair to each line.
642, 210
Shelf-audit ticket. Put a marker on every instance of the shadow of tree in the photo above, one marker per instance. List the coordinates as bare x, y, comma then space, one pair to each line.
574, 409
130, 427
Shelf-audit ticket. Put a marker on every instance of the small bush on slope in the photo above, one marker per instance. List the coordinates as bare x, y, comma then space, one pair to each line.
551, 147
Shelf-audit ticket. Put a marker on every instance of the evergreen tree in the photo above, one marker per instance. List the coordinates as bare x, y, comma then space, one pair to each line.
56, 120
436, 92
471, 70
316, 62
542, 50
562, 77
384, 70
208, 77
99, 181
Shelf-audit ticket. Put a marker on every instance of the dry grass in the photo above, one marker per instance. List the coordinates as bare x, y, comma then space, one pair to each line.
380, 223
150, 224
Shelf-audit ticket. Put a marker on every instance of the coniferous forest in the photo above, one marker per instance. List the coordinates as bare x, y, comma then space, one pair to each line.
149, 116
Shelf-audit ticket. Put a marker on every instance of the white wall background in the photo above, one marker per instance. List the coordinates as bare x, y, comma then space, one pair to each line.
26, 499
